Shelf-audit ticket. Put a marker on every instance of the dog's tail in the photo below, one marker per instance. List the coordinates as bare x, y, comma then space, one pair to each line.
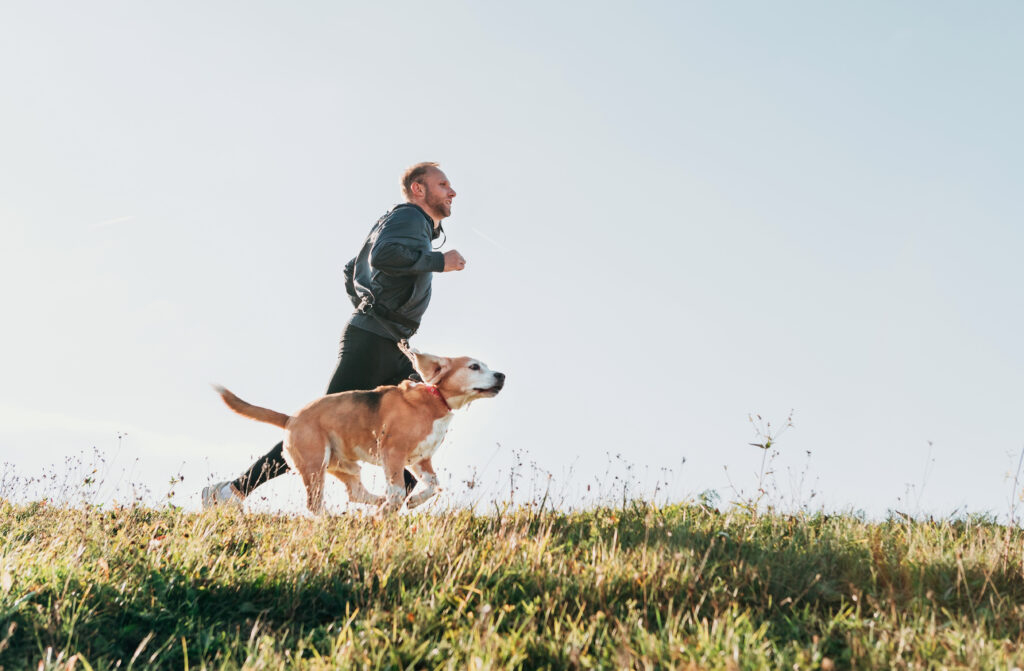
252, 411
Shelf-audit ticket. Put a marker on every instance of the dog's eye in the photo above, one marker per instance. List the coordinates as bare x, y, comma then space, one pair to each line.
474, 366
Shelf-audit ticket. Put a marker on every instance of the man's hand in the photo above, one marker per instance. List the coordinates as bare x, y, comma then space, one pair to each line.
453, 261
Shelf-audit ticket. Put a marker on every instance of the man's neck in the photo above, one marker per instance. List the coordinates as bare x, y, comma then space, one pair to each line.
436, 221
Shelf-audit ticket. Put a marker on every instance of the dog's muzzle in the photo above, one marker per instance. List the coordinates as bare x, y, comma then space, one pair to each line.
499, 382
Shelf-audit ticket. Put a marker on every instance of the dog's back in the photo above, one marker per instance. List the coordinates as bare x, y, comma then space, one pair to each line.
391, 426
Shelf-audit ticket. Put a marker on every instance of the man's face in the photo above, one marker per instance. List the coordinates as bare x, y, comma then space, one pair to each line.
438, 194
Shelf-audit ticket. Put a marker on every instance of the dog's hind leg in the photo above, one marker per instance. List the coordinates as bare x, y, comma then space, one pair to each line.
314, 481
357, 493
310, 462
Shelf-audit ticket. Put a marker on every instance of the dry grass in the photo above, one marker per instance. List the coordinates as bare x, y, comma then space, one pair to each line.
637, 586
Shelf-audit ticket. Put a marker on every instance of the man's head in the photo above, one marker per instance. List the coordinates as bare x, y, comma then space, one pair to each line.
425, 185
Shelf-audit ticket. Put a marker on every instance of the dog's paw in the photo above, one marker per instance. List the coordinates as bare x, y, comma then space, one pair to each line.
421, 498
387, 510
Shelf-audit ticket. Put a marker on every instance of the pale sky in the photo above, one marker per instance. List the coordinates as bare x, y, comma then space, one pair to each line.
675, 215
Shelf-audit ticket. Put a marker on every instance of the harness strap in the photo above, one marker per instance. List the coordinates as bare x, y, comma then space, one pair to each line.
380, 313
387, 313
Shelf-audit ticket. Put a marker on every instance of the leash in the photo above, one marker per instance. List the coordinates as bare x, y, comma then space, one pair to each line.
367, 308
403, 346
380, 313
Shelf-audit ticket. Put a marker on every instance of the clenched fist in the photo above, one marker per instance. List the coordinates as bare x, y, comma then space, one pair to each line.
453, 261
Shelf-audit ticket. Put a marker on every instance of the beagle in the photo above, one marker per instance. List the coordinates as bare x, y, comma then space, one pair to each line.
391, 426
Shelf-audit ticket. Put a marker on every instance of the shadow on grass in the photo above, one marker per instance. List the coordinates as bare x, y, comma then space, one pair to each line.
658, 570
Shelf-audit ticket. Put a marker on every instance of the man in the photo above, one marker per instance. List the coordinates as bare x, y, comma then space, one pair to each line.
389, 284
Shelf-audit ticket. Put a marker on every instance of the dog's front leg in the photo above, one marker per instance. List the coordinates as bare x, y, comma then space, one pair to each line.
394, 469
424, 470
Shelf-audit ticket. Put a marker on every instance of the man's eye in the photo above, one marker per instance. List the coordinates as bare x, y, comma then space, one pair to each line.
474, 366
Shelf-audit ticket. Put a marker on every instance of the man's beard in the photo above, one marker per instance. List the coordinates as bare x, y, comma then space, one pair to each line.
436, 203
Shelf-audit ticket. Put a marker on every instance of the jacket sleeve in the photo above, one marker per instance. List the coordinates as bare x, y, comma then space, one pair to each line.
350, 285
403, 248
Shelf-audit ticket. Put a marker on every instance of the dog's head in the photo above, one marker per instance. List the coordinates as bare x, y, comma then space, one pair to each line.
461, 380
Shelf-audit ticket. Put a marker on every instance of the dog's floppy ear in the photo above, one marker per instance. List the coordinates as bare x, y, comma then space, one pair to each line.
431, 368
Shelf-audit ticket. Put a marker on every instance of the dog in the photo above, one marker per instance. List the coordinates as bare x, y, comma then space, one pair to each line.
393, 426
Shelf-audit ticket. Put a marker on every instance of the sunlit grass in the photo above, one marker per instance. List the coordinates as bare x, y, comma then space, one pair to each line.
634, 586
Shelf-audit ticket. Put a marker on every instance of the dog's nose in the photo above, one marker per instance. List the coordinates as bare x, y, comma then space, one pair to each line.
500, 377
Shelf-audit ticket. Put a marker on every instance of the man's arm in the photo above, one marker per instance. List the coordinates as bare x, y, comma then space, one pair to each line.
403, 248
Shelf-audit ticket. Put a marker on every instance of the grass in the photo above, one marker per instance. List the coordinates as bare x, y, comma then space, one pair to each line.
634, 586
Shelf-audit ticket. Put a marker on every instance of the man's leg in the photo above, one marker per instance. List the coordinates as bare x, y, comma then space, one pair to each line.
364, 361
267, 467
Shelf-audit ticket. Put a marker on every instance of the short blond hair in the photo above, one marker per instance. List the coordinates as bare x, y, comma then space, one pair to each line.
413, 174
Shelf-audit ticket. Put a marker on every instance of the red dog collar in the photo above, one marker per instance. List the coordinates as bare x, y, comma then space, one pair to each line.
437, 392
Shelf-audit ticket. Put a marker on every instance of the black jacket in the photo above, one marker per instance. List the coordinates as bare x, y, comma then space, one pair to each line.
393, 271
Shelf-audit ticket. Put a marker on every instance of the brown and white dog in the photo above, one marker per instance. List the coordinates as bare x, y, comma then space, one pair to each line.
391, 426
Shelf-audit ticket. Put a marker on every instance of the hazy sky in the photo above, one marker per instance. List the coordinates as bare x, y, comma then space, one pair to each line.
675, 215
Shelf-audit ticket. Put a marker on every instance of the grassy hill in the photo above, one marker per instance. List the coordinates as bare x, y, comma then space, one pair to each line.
634, 587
